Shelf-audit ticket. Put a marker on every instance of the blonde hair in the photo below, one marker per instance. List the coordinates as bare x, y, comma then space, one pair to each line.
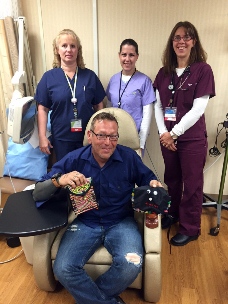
57, 60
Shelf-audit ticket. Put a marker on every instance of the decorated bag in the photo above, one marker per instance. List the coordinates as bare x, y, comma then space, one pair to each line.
82, 197
150, 199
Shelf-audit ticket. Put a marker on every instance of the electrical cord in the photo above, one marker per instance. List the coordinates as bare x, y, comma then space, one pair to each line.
10, 177
1, 210
223, 144
213, 162
9, 174
14, 258
156, 173
215, 151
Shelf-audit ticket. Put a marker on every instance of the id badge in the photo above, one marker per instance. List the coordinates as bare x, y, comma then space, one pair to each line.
171, 113
76, 125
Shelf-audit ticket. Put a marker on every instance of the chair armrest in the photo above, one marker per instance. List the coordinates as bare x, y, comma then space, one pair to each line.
42, 263
44, 247
152, 280
152, 237
152, 262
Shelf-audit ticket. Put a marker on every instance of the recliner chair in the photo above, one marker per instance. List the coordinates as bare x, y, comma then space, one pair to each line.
45, 246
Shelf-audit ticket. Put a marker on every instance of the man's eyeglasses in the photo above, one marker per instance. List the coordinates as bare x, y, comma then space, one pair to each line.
178, 38
104, 136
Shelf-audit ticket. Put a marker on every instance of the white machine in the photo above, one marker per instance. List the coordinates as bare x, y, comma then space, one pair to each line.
22, 110
21, 119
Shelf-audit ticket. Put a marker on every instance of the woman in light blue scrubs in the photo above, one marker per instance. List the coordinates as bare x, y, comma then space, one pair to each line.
132, 90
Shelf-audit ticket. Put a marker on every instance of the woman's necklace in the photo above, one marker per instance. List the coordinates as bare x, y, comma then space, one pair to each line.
73, 90
172, 86
120, 96
187, 69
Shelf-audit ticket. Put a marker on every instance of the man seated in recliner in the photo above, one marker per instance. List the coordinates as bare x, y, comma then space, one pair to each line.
114, 169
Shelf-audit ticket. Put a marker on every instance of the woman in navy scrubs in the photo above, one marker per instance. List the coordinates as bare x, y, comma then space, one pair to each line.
72, 93
183, 87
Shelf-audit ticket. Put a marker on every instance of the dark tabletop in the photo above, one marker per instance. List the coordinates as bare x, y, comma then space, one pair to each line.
20, 216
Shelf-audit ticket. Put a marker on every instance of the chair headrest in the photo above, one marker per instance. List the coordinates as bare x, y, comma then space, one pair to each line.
127, 129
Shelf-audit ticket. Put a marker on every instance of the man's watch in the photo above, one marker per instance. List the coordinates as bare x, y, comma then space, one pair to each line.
55, 179
173, 135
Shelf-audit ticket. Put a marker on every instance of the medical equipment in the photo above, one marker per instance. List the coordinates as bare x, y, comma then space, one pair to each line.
22, 110
220, 203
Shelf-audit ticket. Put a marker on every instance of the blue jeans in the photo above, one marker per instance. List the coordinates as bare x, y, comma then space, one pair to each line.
123, 241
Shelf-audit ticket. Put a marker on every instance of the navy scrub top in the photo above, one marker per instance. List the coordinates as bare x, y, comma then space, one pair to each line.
53, 92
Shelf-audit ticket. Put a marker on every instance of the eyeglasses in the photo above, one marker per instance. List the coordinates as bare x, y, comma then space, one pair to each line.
104, 136
185, 38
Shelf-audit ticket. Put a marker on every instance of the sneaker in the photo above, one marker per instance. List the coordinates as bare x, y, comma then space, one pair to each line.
168, 221
119, 300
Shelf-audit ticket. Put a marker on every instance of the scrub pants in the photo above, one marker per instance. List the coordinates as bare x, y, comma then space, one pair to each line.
123, 241
184, 178
62, 147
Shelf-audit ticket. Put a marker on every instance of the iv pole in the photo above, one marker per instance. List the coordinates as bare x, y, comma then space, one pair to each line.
215, 231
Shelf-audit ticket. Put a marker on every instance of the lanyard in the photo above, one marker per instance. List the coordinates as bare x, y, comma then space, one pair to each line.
120, 96
172, 86
73, 99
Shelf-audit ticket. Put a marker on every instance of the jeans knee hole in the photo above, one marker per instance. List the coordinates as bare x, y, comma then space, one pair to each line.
133, 258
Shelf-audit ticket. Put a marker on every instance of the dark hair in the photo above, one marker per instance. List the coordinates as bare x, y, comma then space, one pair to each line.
57, 60
132, 42
169, 58
103, 116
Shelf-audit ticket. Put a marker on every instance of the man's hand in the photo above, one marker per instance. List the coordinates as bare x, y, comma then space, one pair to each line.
72, 179
155, 183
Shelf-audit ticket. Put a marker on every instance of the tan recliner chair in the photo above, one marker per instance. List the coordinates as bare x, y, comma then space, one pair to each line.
46, 245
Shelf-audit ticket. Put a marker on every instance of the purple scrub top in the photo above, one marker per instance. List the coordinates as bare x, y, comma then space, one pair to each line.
138, 93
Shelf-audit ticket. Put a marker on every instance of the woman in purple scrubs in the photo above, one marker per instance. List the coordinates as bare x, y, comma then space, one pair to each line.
183, 87
72, 93
132, 90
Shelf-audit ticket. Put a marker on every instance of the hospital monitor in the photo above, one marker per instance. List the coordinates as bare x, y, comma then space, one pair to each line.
21, 119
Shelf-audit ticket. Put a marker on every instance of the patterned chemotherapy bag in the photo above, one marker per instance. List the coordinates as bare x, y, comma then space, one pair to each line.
82, 197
